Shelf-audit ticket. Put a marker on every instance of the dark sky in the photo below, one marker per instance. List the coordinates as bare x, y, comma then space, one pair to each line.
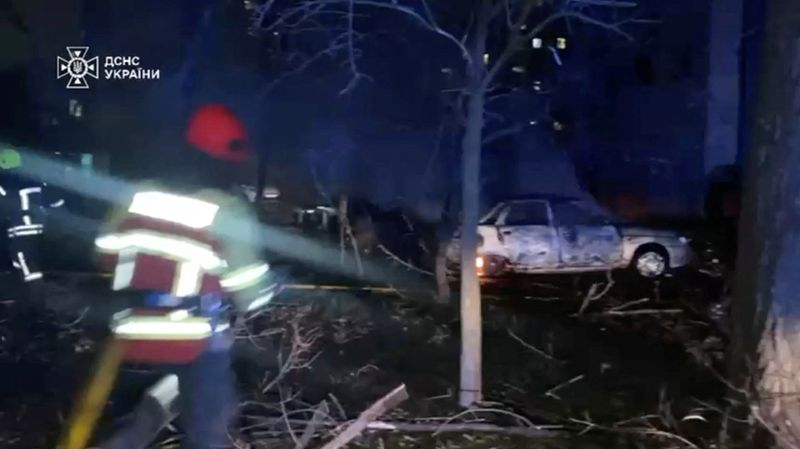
611, 103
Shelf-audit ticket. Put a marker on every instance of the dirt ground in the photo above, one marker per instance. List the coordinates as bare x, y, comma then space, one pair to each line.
635, 368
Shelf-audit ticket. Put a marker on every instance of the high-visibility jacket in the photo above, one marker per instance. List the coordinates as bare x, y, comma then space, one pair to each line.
22, 211
189, 246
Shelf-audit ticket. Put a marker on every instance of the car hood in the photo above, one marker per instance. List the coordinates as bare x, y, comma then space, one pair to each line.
644, 231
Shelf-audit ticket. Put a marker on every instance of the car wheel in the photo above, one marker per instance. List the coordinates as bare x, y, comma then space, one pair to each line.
651, 262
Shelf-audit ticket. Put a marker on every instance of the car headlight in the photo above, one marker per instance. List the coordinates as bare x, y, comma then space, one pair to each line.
683, 240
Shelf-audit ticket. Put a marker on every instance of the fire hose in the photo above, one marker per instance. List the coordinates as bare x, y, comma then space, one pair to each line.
92, 399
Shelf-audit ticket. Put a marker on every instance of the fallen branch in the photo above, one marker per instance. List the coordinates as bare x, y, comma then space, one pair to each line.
338, 405
394, 257
646, 431
642, 312
447, 395
498, 411
383, 405
320, 412
530, 432
629, 304
540, 298
593, 295
543, 285
552, 392
286, 419
78, 319
530, 346
299, 356
543, 431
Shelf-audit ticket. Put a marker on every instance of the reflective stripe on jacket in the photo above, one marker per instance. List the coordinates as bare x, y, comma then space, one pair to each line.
185, 245
163, 335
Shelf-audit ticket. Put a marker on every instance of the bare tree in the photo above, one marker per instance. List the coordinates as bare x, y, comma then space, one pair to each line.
486, 34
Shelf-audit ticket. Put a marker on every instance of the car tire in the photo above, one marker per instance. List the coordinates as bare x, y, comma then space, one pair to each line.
651, 261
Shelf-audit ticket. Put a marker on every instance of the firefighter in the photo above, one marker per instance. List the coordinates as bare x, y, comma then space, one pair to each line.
23, 205
192, 254
24, 202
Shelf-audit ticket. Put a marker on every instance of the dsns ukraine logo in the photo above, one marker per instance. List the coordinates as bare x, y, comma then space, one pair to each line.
77, 67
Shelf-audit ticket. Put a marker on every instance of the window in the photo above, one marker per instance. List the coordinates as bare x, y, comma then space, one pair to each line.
574, 213
527, 213
75, 108
491, 217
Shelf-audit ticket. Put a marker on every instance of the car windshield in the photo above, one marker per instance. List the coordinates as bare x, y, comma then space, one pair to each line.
491, 217
524, 213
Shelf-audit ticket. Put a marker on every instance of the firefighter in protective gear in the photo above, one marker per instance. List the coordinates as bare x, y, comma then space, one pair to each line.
23, 205
193, 254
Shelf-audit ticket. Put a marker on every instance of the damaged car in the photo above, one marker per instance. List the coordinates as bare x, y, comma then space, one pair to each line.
569, 235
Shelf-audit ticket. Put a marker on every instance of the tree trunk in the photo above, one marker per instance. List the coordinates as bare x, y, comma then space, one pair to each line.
765, 354
471, 321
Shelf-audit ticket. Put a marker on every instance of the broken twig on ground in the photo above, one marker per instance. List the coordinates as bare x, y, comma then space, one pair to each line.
552, 392
630, 304
593, 294
383, 405
300, 355
544, 431
525, 421
530, 346
320, 412
646, 431
538, 432
642, 312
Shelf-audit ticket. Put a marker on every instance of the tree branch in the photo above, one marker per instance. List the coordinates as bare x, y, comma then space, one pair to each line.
400, 261
528, 432
593, 295
512, 45
304, 11
351, 54
384, 404
335, 45
613, 27
499, 134
429, 22
515, 39
530, 346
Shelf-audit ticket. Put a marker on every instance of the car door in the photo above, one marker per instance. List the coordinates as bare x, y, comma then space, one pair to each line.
529, 238
586, 238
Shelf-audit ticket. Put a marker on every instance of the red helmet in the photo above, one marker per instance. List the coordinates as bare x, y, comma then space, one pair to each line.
217, 131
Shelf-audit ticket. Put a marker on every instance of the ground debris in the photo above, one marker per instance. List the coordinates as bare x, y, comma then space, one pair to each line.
356, 347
